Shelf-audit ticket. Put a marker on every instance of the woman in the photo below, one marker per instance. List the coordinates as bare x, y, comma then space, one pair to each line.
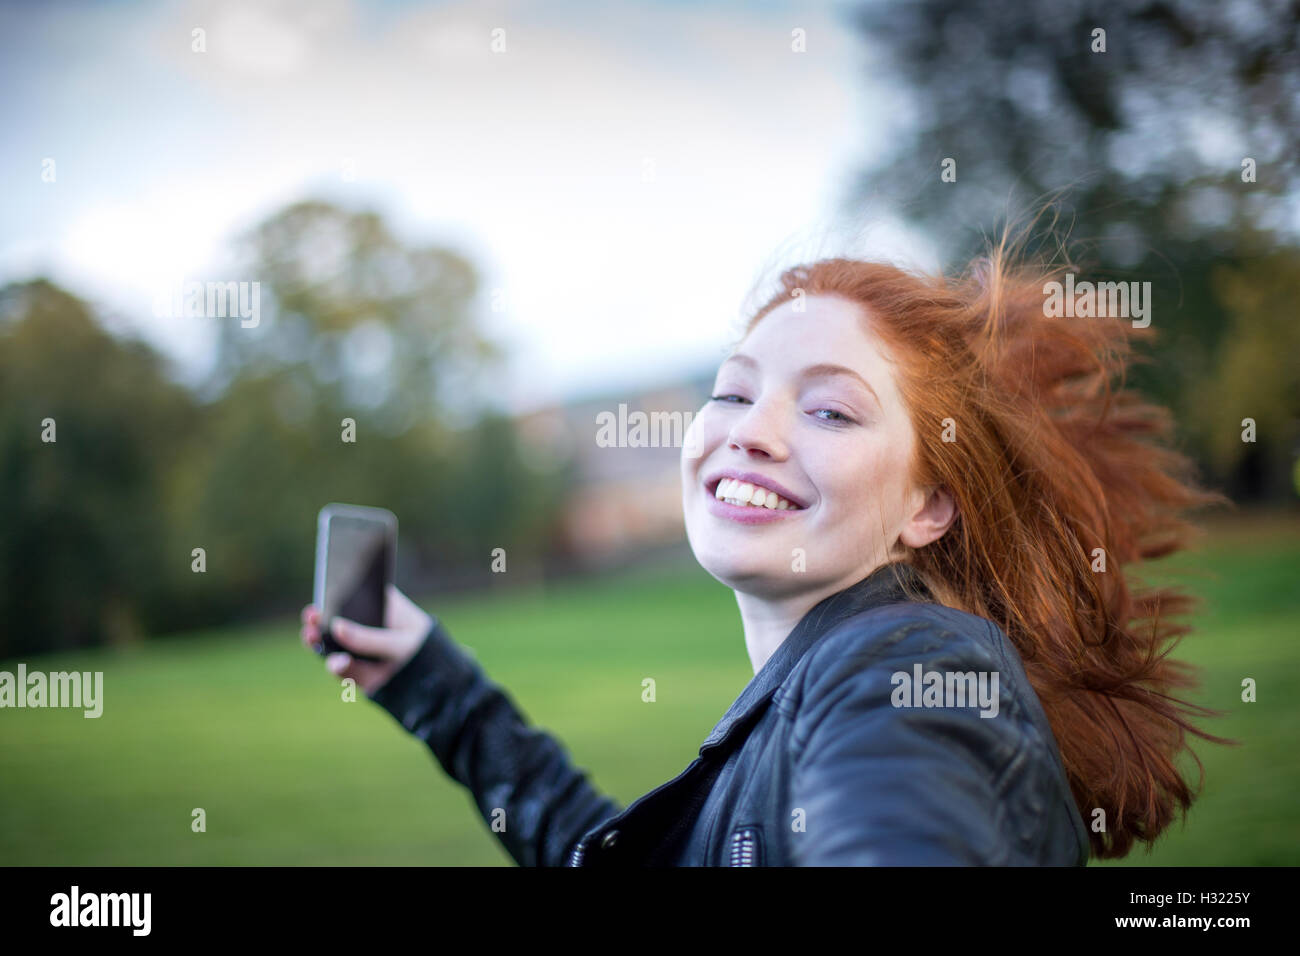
926, 495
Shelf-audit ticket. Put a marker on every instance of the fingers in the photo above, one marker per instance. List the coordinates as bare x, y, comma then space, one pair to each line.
401, 612
310, 632
342, 665
361, 639
397, 607
367, 675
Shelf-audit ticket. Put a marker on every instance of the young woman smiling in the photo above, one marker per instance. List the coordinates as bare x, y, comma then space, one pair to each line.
898, 475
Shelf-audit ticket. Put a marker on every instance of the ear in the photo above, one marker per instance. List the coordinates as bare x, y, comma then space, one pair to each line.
931, 520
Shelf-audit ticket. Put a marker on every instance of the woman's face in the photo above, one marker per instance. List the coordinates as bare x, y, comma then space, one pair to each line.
808, 409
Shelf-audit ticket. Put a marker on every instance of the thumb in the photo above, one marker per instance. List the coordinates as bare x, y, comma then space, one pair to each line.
360, 638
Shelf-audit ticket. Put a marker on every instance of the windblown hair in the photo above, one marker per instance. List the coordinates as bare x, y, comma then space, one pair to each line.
1056, 468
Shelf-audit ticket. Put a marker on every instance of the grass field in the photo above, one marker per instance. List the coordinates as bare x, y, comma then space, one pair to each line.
248, 725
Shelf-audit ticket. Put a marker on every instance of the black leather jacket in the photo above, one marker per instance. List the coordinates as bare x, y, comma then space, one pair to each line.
822, 760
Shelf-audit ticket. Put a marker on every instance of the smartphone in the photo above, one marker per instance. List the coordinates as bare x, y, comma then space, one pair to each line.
356, 549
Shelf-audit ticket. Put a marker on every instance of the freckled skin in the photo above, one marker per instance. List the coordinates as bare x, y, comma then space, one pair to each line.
788, 426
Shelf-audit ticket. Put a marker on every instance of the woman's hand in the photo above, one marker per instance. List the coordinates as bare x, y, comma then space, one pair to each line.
405, 626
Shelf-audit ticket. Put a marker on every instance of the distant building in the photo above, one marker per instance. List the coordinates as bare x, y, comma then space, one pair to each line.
624, 452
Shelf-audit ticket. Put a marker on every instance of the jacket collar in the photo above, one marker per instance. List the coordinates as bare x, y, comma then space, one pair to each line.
888, 584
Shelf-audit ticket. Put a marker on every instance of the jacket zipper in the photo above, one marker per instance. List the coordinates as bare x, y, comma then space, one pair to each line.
744, 847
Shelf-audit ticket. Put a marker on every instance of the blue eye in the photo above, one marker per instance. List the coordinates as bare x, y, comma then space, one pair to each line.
834, 417
840, 418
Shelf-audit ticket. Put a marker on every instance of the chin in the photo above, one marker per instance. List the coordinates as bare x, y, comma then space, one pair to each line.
748, 573
738, 561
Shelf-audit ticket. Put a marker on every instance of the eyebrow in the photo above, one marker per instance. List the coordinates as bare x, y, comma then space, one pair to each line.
820, 370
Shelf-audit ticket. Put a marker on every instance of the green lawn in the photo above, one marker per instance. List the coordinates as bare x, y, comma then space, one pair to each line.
249, 726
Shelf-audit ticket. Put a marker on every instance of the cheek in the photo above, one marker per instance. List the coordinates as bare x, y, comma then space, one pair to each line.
864, 486
707, 430
699, 440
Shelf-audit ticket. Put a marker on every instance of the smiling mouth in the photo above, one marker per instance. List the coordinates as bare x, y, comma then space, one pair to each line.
745, 494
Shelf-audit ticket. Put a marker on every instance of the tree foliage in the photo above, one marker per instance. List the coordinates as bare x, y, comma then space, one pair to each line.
1165, 134
101, 526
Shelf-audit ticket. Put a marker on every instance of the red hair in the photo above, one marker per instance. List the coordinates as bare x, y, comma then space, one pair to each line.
1052, 459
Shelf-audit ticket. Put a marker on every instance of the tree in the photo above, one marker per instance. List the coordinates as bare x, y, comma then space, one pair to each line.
355, 319
1145, 124
1258, 376
86, 555
343, 391
348, 389
1167, 132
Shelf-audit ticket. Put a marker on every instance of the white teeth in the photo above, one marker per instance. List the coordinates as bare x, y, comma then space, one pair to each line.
735, 492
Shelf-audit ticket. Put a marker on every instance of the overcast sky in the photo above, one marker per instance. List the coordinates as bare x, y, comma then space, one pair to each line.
621, 171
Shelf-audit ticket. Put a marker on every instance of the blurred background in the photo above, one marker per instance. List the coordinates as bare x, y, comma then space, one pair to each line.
475, 229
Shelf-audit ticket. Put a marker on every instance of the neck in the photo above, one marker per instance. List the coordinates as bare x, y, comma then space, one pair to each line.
768, 621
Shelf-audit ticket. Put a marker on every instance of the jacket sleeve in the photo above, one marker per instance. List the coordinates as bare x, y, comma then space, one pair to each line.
442, 696
890, 785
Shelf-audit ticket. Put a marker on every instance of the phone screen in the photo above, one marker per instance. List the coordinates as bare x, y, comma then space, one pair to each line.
356, 568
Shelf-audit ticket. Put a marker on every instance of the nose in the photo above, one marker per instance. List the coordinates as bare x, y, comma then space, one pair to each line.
758, 433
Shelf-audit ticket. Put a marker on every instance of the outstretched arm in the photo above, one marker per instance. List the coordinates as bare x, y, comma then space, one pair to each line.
443, 697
